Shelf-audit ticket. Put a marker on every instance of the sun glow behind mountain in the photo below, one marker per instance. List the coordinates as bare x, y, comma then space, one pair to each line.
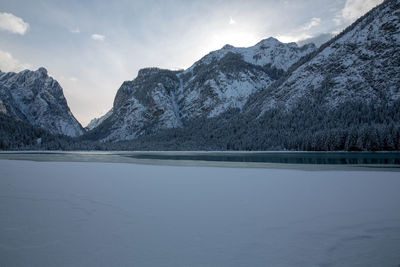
234, 35
91, 46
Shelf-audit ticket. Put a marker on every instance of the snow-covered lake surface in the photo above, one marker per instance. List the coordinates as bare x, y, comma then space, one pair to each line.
129, 214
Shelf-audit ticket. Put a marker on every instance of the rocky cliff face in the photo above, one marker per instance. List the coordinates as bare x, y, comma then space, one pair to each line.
360, 64
343, 97
356, 72
161, 99
38, 99
3, 108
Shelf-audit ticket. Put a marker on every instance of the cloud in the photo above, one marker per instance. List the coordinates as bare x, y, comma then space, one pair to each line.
68, 79
293, 38
13, 24
354, 9
313, 22
300, 34
232, 21
76, 30
98, 37
318, 40
8, 63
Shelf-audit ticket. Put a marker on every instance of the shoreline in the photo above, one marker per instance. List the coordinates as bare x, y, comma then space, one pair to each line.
134, 158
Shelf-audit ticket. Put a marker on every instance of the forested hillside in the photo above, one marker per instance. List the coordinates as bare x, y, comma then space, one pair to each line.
19, 135
272, 96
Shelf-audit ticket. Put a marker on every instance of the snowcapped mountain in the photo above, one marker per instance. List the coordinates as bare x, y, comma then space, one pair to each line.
226, 78
161, 99
345, 95
331, 98
97, 121
38, 99
143, 105
268, 52
362, 63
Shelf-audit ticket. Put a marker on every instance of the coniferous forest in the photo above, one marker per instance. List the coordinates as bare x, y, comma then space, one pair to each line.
355, 126
342, 96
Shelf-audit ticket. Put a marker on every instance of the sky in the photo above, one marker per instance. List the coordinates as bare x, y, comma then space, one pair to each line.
92, 46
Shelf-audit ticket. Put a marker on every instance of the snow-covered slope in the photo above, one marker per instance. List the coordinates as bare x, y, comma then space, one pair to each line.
269, 51
160, 99
362, 63
144, 105
38, 99
225, 78
97, 121
3, 108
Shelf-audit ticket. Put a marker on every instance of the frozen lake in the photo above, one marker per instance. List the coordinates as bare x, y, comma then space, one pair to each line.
129, 214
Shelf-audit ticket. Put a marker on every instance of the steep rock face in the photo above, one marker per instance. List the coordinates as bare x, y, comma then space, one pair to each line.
343, 97
3, 108
144, 105
160, 99
226, 78
38, 99
97, 121
268, 52
362, 63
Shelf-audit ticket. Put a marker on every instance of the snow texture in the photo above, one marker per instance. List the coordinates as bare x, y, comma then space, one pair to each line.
222, 80
362, 63
268, 51
93, 214
38, 99
97, 121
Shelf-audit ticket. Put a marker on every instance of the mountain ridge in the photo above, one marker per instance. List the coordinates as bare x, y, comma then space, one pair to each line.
343, 96
161, 99
38, 99
337, 62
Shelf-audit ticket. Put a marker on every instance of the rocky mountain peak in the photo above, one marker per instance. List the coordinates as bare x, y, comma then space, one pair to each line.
159, 98
268, 42
42, 71
146, 72
269, 52
228, 47
38, 99
359, 64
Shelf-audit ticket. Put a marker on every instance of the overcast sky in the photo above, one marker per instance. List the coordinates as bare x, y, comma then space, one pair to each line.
91, 47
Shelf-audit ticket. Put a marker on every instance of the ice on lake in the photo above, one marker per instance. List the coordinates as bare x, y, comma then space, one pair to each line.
114, 214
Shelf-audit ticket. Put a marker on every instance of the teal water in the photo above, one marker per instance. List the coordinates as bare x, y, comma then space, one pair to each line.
342, 158
243, 159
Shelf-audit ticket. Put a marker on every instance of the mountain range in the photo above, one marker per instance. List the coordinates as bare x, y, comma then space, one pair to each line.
161, 99
343, 95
